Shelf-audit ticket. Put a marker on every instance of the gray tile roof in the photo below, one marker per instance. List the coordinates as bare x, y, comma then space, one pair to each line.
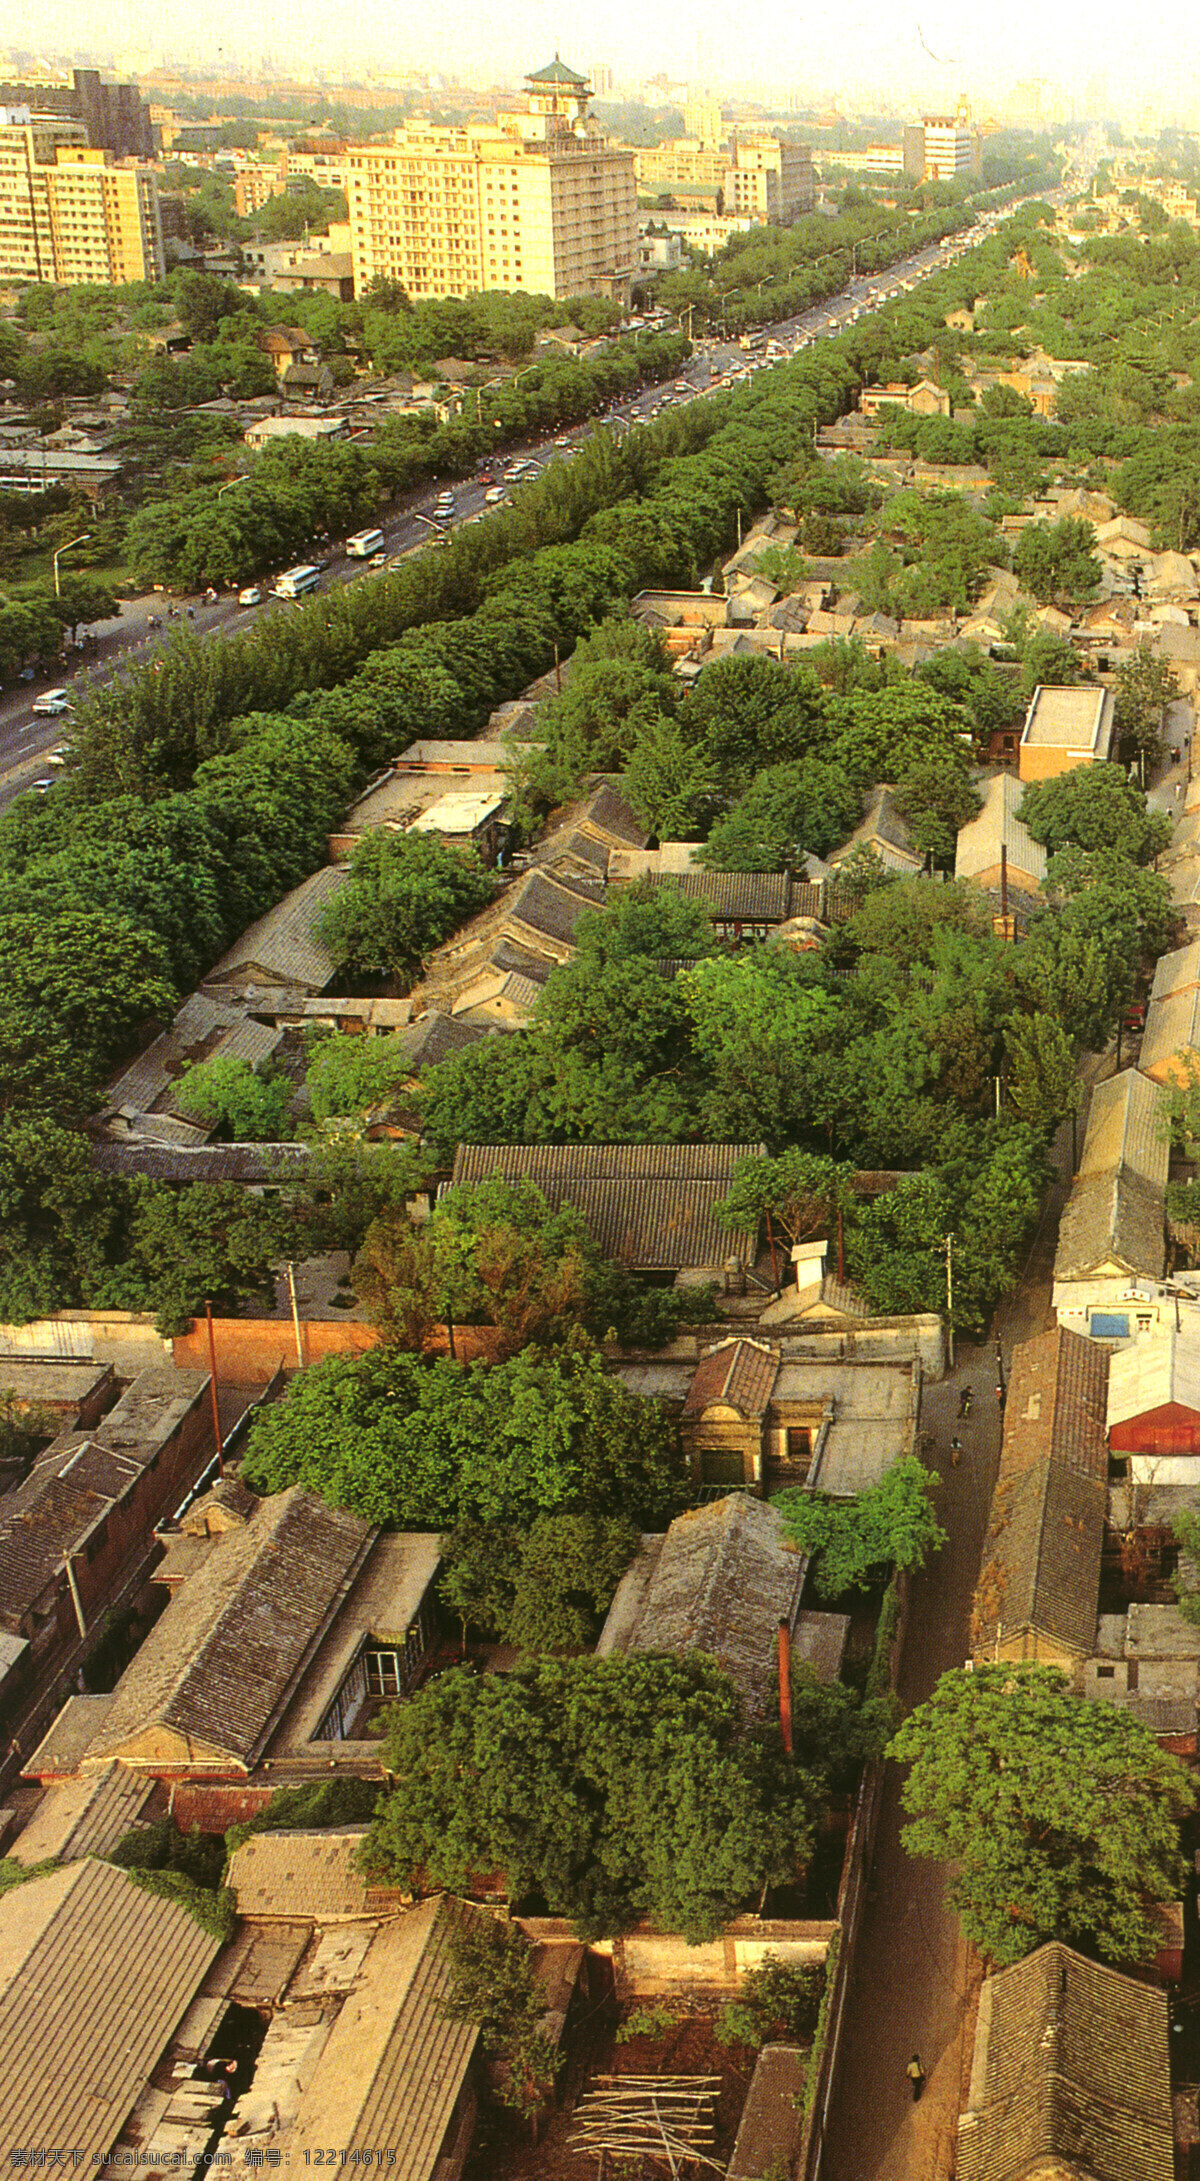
722, 1580
1041, 1565
95, 1976
997, 826
1111, 1219
216, 1669
1041, 1561
312, 1875
283, 947
749, 897
84, 1817
549, 904
76, 1479
434, 1038
1125, 1129
252, 1165
1057, 1404
1070, 2076
1175, 971
1172, 1027
648, 1206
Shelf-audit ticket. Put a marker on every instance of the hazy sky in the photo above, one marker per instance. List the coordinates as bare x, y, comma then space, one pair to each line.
1100, 57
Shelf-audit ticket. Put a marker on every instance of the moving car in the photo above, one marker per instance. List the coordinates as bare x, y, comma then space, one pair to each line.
250, 597
496, 496
51, 703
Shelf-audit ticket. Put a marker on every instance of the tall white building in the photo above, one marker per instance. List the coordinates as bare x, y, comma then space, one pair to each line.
951, 148
539, 201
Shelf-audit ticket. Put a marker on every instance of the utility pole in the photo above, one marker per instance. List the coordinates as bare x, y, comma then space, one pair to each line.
950, 1296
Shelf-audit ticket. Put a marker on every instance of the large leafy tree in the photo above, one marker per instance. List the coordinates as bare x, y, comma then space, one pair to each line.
853, 1541
406, 892
177, 1249
544, 1589
1145, 685
617, 1788
763, 1030
786, 810
425, 1445
227, 1092
1056, 562
493, 1253
1043, 1086
1063, 1816
1096, 808
75, 989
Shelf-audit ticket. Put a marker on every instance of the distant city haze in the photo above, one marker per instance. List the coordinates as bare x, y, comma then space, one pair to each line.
1024, 62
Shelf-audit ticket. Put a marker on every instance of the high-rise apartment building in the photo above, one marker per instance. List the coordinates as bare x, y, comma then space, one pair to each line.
702, 118
72, 214
539, 201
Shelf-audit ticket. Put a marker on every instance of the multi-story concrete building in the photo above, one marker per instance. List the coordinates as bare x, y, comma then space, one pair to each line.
539, 201
951, 148
324, 165
702, 118
113, 115
767, 177
255, 185
72, 214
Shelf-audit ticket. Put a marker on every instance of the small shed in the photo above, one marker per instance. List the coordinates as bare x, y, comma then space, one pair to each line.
1154, 1401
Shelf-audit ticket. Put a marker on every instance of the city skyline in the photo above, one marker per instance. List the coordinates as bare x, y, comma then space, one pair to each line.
922, 56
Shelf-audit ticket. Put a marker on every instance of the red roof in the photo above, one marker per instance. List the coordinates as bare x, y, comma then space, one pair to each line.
740, 1374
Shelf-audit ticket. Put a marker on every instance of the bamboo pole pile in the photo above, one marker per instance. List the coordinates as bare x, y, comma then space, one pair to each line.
669, 2119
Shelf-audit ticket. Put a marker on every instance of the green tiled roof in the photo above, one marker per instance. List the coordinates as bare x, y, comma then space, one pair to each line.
557, 72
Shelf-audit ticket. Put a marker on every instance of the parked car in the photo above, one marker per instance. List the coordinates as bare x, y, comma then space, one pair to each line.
51, 703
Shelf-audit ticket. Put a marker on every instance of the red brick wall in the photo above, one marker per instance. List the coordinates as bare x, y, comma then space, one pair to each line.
251, 1350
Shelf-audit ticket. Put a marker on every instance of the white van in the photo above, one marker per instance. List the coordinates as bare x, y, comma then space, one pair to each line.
294, 582
364, 543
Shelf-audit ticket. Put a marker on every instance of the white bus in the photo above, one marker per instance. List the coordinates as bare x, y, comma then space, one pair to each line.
294, 582
364, 543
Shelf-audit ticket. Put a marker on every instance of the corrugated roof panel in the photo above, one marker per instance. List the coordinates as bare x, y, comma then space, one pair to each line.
95, 1974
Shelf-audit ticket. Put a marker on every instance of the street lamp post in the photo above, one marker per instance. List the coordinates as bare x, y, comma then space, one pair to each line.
68, 548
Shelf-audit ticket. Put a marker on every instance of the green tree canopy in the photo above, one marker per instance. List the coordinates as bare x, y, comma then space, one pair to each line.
616, 1788
854, 1541
406, 892
544, 1589
246, 1103
1063, 1815
76, 989
425, 1445
786, 810
1094, 807
1146, 684
1056, 561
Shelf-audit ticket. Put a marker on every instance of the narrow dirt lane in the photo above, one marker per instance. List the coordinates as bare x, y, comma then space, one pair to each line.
913, 1976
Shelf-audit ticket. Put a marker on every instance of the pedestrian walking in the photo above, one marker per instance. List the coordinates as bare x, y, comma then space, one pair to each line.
964, 1402
956, 1447
916, 2075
